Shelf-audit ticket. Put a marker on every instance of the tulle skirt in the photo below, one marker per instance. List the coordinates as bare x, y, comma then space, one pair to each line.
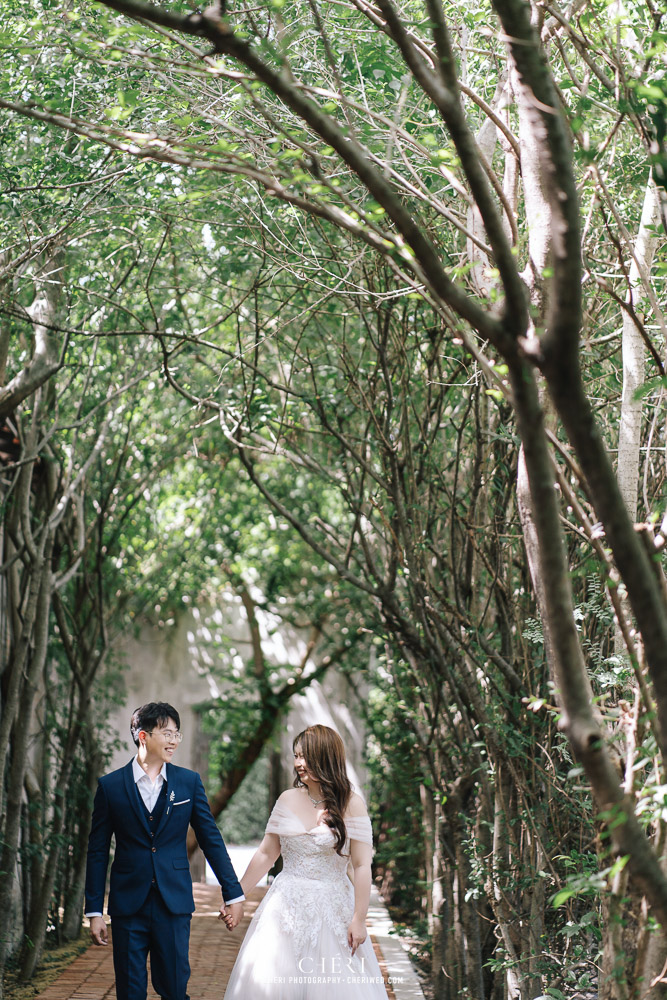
294, 950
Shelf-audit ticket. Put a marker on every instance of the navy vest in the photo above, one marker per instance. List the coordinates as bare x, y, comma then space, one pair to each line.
154, 817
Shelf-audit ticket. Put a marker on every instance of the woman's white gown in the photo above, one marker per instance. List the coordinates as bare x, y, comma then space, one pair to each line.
296, 946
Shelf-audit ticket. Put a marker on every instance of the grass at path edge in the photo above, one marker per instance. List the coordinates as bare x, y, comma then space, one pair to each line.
54, 960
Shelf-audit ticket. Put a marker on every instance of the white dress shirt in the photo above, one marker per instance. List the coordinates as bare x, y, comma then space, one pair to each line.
149, 790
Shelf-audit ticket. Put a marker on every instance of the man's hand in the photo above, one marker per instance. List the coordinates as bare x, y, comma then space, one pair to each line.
98, 930
232, 915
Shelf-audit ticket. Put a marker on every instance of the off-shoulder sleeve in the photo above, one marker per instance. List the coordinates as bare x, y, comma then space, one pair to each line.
284, 822
359, 828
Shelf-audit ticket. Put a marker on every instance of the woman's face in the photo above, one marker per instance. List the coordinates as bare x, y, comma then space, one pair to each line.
300, 765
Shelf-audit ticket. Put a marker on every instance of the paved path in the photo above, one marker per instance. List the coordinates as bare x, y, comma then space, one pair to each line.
212, 953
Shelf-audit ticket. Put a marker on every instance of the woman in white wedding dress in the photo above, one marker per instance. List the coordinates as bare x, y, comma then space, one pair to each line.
308, 938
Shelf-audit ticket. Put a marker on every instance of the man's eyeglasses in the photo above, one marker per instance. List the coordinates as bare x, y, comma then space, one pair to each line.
167, 734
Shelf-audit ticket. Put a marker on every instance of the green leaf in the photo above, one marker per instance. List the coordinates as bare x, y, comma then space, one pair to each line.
562, 897
618, 866
649, 387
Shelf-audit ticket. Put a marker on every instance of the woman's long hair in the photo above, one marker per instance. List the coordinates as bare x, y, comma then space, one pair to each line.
324, 755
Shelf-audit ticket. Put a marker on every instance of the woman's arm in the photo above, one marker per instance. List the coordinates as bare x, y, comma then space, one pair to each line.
361, 856
262, 860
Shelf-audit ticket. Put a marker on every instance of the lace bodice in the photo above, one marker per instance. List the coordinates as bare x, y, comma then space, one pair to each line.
313, 855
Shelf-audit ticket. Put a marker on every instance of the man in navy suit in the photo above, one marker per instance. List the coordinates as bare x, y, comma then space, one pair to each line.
148, 806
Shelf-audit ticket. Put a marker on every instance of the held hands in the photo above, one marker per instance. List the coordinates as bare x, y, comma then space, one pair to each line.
356, 933
231, 914
98, 930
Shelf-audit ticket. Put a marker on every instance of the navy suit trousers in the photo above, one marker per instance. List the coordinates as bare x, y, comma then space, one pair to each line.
163, 935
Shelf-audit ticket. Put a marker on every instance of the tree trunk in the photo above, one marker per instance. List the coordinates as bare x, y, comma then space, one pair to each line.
634, 352
500, 867
36, 929
45, 360
531, 544
534, 936
74, 892
487, 138
620, 918
624, 908
21, 742
33, 865
651, 964
468, 907
441, 965
20, 646
537, 205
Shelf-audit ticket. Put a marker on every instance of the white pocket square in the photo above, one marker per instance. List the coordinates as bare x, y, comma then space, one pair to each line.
181, 803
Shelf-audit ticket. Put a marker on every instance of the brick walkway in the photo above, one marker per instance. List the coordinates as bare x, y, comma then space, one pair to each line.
212, 953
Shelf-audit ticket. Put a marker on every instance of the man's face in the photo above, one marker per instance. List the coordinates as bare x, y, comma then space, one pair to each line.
162, 741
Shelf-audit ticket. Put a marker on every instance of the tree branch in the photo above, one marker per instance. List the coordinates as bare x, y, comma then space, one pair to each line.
420, 252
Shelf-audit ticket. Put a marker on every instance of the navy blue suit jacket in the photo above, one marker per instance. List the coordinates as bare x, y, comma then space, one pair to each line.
140, 858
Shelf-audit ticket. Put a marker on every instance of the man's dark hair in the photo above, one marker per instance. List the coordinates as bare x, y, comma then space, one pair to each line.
151, 715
